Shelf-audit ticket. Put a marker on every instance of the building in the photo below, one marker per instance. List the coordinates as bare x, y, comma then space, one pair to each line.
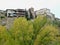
20, 12
15, 12
10, 12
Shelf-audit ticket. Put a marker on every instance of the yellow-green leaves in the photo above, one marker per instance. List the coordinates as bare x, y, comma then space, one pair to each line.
4, 36
47, 35
36, 32
22, 31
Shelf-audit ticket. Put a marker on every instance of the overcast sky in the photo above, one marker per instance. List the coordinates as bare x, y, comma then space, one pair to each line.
53, 5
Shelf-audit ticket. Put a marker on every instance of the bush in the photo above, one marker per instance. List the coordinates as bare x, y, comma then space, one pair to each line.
24, 32
4, 36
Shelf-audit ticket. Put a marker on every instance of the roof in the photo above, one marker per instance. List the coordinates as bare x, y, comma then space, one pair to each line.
20, 10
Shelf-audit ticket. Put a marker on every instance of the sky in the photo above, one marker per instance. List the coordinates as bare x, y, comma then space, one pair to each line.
53, 5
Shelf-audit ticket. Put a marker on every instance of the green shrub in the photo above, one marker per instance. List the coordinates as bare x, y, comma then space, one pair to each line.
23, 32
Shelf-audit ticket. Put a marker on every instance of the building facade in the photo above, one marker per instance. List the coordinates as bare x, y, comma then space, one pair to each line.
15, 12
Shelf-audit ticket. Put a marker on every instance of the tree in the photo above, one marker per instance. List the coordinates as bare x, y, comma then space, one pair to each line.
38, 23
47, 36
5, 38
22, 31
36, 32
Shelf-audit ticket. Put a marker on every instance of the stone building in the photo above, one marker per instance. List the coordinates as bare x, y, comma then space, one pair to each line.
15, 12
20, 12
10, 12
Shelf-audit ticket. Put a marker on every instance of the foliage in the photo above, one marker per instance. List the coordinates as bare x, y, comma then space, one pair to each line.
4, 36
22, 31
57, 23
47, 36
31, 32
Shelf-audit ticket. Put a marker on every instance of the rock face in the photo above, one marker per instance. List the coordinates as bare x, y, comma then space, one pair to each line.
2, 17
42, 11
31, 13
46, 12
9, 22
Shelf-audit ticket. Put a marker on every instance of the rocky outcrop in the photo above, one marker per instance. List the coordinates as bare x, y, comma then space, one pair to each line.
31, 13
46, 12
